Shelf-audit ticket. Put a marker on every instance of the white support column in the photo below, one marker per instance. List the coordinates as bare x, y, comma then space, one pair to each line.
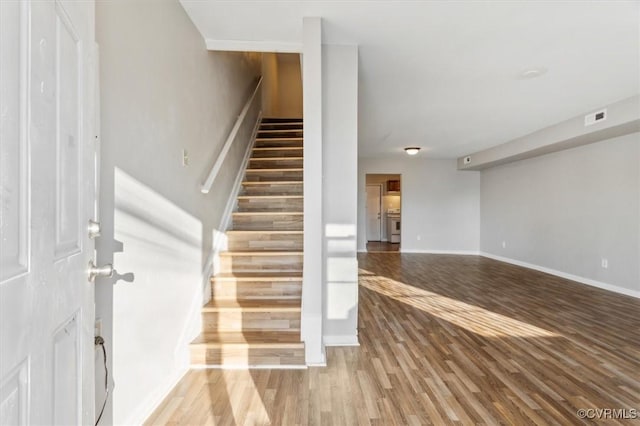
340, 188
311, 327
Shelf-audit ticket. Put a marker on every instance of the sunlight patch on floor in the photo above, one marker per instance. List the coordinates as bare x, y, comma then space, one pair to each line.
470, 317
249, 407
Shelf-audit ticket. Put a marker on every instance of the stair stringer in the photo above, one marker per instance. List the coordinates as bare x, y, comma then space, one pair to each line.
219, 240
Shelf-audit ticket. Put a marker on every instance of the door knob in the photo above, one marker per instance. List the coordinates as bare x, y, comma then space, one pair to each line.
93, 229
102, 271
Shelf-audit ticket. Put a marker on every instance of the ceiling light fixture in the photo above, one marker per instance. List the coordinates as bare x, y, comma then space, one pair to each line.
412, 150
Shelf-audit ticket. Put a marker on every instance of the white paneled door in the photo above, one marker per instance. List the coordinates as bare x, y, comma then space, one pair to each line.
374, 212
47, 189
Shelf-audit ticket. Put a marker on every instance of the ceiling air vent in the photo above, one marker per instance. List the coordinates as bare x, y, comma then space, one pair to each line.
595, 117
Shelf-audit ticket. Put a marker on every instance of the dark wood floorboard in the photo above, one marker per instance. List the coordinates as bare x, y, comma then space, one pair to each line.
445, 340
382, 246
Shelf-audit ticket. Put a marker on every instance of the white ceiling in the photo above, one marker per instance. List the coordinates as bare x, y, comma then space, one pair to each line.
443, 75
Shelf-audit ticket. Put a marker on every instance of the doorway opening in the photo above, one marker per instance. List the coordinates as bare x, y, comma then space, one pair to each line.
383, 212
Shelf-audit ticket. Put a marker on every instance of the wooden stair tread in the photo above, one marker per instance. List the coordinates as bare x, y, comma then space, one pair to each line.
261, 253
291, 122
265, 231
277, 148
253, 339
268, 196
299, 138
275, 182
259, 276
282, 169
268, 126
254, 305
275, 158
272, 213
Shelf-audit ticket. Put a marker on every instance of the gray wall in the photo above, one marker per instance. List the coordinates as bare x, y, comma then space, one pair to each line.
162, 92
440, 205
567, 210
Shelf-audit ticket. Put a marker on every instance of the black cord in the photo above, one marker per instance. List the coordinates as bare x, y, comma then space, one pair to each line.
100, 341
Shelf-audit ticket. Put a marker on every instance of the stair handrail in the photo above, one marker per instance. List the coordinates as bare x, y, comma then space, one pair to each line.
206, 186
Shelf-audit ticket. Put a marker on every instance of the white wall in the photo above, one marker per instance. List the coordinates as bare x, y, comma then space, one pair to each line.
162, 92
339, 164
440, 205
282, 85
568, 210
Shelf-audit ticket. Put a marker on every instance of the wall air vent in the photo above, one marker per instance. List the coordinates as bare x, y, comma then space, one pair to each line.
595, 117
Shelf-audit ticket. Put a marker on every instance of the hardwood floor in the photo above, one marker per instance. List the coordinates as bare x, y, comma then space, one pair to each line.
382, 246
445, 340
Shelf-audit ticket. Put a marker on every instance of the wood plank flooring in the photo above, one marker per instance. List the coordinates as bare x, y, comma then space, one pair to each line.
444, 340
382, 246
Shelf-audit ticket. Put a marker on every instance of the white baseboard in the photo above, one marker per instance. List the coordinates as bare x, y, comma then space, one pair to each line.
247, 367
576, 278
219, 235
455, 252
341, 341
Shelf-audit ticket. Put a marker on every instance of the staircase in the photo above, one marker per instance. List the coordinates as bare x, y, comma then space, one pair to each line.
253, 318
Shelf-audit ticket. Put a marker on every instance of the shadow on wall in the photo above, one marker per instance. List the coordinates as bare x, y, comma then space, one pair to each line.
341, 291
155, 316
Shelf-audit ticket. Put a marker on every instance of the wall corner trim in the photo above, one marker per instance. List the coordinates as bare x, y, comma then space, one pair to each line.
576, 278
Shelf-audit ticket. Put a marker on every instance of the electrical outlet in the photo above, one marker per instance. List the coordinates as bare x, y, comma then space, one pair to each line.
504, 244
98, 327
605, 263
418, 237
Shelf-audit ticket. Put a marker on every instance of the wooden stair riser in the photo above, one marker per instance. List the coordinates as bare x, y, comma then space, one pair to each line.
253, 263
258, 175
275, 222
289, 125
269, 120
270, 204
273, 189
255, 290
240, 355
264, 241
280, 134
278, 143
268, 163
277, 152
215, 322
